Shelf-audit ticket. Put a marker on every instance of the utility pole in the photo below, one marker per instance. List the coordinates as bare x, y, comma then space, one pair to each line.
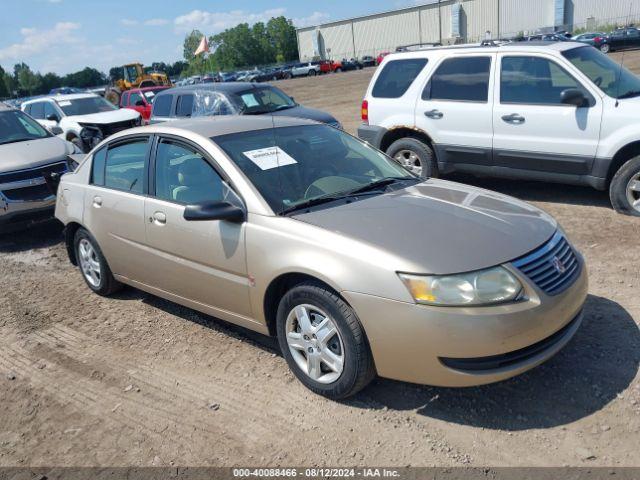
440, 21
498, 35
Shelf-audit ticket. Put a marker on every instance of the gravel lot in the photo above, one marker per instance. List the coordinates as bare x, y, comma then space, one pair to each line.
135, 380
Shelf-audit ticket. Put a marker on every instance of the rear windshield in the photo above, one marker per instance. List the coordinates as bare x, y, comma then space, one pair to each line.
397, 76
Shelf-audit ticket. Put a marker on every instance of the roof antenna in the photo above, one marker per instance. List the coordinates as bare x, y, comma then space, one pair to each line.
622, 59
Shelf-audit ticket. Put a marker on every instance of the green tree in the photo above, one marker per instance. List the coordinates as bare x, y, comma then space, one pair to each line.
4, 90
282, 34
191, 43
28, 81
49, 82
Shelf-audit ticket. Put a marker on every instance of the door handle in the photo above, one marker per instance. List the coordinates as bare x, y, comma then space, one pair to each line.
434, 114
159, 218
513, 118
97, 202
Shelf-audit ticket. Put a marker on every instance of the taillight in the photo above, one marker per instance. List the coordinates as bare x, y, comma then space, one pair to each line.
597, 39
364, 111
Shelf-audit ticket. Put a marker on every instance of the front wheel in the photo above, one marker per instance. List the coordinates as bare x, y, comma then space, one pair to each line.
312, 73
323, 342
415, 156
624, 190
605, 48
93, 266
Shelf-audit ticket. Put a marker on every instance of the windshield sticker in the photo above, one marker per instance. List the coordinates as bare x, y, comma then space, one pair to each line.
270, 157
249, 100
64, 103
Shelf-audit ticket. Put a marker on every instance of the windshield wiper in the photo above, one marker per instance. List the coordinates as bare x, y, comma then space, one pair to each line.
377, 185
630, 94
312, 202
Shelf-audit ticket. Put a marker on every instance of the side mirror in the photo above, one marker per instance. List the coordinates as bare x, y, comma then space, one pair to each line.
52, 117
214, 211
56, 130
573, 96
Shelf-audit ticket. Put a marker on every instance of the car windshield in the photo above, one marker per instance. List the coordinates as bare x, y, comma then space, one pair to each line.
260, 100
296, 167
609, 76
85, 106
15, 127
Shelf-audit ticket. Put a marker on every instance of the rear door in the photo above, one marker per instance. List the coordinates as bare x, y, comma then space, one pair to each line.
201, 261
533, 130
455, 110
114, 204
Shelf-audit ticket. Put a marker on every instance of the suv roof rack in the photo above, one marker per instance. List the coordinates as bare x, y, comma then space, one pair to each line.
417, 46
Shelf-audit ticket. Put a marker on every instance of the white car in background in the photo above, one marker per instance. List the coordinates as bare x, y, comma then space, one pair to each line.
307, 69
84, 118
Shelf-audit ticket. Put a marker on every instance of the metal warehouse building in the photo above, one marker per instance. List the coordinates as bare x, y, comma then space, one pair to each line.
458, 21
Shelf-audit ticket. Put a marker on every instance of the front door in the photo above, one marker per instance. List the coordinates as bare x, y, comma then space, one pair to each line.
533, 130
202, 261
455, 111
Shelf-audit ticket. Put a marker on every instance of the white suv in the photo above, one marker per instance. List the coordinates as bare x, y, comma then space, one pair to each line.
307, 69
556, 112
85, 119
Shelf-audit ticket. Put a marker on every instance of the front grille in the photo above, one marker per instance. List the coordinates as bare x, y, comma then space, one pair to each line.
553, 267
28, 194
109, 129
494, 362
38, 172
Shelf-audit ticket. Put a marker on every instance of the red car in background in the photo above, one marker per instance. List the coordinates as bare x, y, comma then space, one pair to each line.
329, 66
381, 57
140, 100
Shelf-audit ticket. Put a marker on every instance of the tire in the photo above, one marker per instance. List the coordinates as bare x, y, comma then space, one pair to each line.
338, 70
312, 73
624, 190
106, 284
347, 341
605, 48
415, 156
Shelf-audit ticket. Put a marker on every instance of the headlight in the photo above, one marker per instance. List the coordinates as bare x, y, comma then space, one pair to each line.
483, 287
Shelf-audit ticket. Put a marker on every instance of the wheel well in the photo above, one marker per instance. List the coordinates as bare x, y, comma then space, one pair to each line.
69, 236
625, 153
70, 136
403, 132
277, 289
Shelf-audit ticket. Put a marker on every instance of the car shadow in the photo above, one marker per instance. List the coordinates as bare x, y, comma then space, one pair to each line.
538, 191
592, 370
39, 235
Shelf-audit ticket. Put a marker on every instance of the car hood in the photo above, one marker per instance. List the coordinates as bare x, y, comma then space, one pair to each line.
102, 118
33, 153
309, 113
441, 227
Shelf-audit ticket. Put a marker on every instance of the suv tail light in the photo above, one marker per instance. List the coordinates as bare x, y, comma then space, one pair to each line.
364, 111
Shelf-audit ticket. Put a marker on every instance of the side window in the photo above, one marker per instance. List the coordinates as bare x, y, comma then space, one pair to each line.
397, 76
124, 169
134, 97
27, 110
162, 106
37, 110
462, 79
49, 110
534, 80
182, 175
97, 167
184, 105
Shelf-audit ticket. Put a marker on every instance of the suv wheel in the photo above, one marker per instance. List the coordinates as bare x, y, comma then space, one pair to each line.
323, 342
605, 48
415, 156
312, 73
93, 266
624, 190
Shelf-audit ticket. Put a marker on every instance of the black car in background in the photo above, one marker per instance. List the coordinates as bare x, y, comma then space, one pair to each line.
368, 61
620, 39
352, 64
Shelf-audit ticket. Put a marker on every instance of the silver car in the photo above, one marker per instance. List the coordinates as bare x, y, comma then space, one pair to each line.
298, 230
29, 155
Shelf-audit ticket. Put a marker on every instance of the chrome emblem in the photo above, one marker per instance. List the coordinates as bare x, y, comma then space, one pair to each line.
558, 265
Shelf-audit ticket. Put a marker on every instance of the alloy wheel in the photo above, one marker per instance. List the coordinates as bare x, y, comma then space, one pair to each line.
633, 192
409, 160
89, 263
315, 343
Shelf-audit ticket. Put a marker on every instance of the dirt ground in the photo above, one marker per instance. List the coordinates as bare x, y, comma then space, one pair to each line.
134, 380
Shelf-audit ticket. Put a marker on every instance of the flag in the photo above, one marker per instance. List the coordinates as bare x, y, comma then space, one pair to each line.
203, 47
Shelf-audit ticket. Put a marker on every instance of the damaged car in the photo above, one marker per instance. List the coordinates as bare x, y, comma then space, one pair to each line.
84, 118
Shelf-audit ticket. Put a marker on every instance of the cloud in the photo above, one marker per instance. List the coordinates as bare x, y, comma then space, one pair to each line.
215, 22
127, 22
36, 41
313, 19
156, 22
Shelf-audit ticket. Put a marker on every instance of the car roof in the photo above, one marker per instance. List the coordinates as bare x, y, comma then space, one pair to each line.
70, 96
222, 125
146, 89
226, 87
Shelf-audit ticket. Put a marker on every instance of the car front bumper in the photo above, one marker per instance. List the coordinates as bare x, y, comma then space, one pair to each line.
16, 212
458, 347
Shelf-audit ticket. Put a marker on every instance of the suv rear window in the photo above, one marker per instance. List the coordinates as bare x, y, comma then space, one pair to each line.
397, 76
460, 79
162, 106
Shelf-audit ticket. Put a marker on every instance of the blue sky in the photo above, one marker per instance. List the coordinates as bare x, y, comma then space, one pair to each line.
63, 36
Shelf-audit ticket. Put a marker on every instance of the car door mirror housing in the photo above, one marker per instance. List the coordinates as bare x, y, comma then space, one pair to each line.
214, 211
56, 130
573, 96
52, 117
